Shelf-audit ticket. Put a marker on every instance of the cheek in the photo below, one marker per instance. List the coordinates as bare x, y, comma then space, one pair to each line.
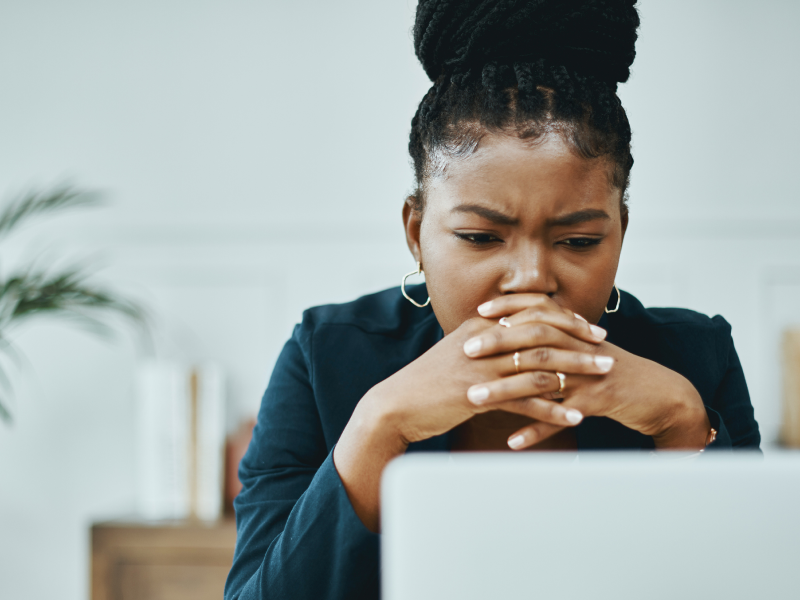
457, 283
460, 279
584, 286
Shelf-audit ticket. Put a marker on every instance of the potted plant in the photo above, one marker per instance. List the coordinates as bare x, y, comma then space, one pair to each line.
32, 291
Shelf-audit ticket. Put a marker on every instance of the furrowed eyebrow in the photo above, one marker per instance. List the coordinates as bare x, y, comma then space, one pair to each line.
581, 216
487, 213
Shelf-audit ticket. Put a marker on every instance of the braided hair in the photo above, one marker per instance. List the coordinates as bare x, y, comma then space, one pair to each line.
525, 68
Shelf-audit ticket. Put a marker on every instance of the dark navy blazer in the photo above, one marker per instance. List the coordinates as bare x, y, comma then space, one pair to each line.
298, 536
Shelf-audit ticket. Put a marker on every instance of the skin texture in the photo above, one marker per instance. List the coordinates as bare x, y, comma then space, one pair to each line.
531, 232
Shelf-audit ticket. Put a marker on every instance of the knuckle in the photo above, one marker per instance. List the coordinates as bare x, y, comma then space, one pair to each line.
494, 339
535, 332
535, 408
539, 379
502, 390
542, 355
538, 315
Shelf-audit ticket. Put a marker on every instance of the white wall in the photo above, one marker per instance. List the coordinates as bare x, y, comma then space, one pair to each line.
255, 156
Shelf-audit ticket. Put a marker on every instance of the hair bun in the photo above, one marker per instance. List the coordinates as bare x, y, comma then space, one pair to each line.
592, 37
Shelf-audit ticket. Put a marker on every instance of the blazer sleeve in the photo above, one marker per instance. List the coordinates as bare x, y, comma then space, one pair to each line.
297, 533
731, 412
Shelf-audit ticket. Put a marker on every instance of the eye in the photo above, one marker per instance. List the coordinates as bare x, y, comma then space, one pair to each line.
478, 239
581, 243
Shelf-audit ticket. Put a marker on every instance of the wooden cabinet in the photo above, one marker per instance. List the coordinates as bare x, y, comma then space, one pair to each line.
180, 560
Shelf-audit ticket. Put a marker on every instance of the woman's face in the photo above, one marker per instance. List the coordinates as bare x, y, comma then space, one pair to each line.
518, 218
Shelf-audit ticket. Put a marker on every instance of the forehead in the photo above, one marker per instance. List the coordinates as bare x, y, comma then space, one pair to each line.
513, 174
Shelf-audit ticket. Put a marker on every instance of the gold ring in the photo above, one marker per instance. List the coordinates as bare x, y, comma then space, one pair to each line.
562, 379
505, 322
516, 361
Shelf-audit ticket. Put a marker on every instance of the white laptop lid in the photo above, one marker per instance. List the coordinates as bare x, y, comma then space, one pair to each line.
590, 526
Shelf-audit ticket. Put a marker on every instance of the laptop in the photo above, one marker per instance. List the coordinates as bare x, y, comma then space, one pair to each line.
595, 526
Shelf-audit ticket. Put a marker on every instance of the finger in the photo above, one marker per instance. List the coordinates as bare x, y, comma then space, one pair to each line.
565, 320
507, 306
532, 434
573, 314
586, 401
497, 340
545, 358
535, 381
543, 410
523, 385
513, 303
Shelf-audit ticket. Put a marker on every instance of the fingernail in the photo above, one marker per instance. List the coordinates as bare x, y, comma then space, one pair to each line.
477, 395
573, 416
604, 363
577, 316
598, 332
485, 308
473, 346
516, 442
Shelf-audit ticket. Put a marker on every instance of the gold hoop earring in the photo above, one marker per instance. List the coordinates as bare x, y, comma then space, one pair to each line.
619, 298
403, 287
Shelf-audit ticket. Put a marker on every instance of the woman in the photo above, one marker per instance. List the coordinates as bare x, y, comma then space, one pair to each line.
519, 340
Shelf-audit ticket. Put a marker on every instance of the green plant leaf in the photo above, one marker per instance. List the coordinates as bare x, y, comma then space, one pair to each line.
31, 293
5, 414
67, 292
37, 202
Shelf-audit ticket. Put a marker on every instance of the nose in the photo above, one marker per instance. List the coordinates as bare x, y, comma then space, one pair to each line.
529, 271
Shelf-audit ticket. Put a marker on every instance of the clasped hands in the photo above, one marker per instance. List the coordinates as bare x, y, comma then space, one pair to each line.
599, 379
472, 371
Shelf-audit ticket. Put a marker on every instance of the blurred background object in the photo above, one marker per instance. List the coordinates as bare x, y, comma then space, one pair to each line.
790, 432
181, 431
33, 290
256, 153
161, 560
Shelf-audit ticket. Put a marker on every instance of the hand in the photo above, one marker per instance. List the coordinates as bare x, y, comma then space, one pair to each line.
429, 396
638, 393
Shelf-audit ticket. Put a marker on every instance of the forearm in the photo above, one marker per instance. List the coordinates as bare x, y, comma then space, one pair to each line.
365, 447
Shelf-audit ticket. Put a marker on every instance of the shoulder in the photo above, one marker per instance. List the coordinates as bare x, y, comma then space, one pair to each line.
683, 340
385, 313
634, 314
348, 348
